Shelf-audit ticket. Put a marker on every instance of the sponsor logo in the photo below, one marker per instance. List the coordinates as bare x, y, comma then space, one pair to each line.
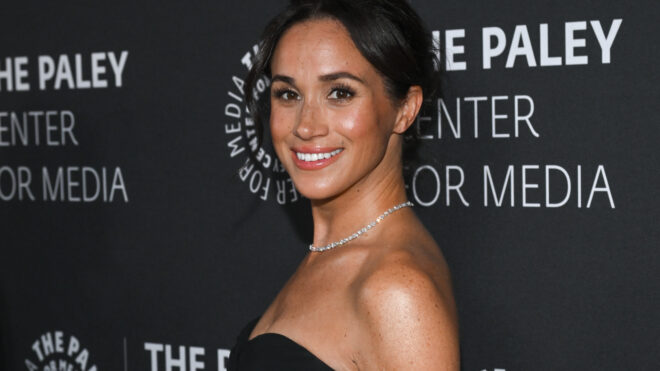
259, 168
57, 351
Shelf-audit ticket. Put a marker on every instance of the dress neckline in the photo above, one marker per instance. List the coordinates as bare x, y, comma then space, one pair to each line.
265, 335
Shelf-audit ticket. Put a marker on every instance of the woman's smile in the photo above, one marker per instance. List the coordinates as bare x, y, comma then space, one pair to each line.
314, 158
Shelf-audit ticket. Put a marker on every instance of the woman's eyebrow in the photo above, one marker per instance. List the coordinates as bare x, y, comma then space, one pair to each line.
339, 75
286, 79
329, 77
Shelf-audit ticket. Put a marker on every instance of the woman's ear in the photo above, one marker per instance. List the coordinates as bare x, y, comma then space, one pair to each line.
408, 109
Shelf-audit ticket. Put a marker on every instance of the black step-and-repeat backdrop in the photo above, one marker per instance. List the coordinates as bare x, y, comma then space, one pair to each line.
135, 234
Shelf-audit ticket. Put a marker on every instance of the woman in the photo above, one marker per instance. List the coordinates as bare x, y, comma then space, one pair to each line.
348, 79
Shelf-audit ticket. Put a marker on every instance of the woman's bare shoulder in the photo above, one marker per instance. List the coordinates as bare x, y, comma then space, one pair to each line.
407, 310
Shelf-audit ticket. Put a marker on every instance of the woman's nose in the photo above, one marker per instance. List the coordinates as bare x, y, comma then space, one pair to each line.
310, 122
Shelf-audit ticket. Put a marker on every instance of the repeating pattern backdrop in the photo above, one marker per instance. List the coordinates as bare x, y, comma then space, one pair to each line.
135, 236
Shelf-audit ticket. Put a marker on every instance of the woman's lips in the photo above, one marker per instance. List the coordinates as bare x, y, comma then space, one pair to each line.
314, 159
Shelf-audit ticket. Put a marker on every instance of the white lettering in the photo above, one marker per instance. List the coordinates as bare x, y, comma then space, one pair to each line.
606, 42
118, 67
489, 52
521, 45
572, 43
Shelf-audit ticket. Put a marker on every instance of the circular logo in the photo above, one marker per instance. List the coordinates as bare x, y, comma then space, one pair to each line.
55, 351
259, 168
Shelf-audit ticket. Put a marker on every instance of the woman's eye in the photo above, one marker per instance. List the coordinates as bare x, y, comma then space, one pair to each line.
286, 95
340, 94
289, 95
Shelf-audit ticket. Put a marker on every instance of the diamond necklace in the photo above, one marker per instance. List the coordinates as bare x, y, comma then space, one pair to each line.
361, 231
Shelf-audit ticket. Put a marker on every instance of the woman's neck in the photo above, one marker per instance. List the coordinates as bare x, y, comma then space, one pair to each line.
358, 206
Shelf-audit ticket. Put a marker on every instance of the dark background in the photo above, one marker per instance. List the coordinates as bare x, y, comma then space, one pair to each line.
193, 255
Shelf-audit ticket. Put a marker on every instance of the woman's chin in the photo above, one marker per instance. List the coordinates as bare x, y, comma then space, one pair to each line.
314, 191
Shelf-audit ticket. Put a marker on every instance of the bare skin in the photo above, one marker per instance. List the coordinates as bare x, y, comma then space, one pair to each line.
383, 301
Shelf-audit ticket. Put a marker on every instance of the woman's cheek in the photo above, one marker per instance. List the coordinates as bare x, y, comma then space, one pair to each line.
279, 129
355, 122
281, 120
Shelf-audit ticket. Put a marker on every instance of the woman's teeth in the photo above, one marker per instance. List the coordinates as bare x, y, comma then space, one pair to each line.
316, 156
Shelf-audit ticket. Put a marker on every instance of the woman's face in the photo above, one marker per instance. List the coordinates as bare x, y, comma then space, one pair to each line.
331, 119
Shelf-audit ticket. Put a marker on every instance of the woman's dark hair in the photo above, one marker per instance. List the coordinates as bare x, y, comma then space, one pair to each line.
388, 33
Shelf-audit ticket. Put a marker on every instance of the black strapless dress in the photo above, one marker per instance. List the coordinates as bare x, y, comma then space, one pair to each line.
270, 351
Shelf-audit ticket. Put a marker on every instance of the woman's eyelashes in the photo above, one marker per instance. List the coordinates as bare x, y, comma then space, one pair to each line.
285, 94
341, 93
